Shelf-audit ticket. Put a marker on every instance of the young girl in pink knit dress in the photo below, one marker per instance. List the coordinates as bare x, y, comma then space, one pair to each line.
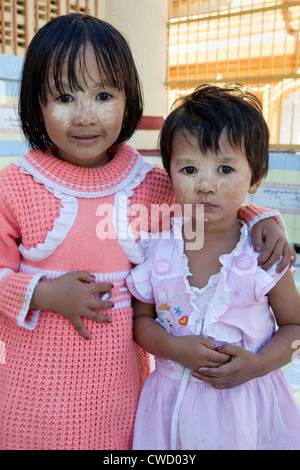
215, 148
72, 373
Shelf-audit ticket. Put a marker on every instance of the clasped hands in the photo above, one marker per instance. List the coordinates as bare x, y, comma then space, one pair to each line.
223, 367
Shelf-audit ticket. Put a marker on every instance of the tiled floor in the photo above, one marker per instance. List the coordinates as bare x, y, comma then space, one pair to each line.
292, 371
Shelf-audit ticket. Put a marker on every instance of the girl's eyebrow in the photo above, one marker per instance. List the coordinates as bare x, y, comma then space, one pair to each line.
184, 160
227, 158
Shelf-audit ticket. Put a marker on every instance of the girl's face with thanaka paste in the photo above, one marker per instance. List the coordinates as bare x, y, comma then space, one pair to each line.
218, 181
84, 124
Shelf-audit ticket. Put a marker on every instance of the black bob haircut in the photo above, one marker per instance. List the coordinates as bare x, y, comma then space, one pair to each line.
60, 41
211, 110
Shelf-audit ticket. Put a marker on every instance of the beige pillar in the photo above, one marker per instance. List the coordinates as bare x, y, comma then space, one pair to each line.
144, 24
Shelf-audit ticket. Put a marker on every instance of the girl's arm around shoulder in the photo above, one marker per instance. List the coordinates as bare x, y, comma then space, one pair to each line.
155, 195
154, 189
268, 229
190, 351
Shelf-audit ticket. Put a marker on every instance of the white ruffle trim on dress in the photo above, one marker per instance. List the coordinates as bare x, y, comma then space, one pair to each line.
126, 238
218, 305
61, 228
69, 210
210, 325
29, 325
222, 297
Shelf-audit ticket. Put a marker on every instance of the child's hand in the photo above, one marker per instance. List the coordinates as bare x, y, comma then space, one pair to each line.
73, 295
276, 245
242, 368
195, 351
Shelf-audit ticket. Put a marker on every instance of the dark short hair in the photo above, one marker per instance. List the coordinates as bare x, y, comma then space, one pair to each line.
62, 38
208, 112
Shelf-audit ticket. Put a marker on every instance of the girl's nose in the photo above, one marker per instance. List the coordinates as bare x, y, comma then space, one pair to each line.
85, 115
206, 185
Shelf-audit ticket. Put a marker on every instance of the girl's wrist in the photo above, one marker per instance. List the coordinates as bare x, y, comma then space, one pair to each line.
41, 297
171, 349
258, 366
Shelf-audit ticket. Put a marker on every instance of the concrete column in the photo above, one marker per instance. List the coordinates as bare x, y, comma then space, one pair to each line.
144, 25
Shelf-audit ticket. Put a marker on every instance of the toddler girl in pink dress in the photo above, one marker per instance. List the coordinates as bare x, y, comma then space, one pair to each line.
214, 294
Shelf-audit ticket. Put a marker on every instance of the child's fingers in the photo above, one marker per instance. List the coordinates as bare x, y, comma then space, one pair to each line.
91, 315
215, 359
229, 349
84, 276
270, 255
257, 236
97, 304
97, 287
286, 252
100, 295
79, 327
97, 317
209, 375
288, 257
101, 291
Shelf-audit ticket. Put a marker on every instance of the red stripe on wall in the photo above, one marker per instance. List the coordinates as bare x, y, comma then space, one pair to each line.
149, 152
151, 123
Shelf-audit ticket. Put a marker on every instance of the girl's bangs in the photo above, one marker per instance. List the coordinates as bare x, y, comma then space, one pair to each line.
109, 75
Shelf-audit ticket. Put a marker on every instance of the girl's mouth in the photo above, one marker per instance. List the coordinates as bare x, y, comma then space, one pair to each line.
86, 139
90, 136
208, 206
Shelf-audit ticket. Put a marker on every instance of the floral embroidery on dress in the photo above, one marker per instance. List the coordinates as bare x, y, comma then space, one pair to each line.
163, 311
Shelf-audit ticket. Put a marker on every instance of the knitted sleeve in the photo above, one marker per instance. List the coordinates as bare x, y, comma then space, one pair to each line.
155, 197
252, 214
16, 288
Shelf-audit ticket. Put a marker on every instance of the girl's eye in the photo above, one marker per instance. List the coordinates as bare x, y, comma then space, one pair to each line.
65, 98
189, 170
225, 170
103, 96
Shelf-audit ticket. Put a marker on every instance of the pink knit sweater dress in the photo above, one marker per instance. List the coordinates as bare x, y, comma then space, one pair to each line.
58, 390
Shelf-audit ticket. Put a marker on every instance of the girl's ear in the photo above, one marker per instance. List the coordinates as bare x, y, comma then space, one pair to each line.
254, 187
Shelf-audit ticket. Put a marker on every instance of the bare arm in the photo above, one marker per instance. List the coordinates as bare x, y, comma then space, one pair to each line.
190, 351
284, 299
